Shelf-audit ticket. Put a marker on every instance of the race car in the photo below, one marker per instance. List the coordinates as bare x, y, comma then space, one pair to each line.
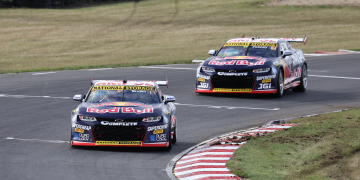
125, 113
253, 65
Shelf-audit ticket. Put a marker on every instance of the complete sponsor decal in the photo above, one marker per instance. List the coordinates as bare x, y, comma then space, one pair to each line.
236, 62
79, 126
138, 88
107, 123
94, 110
132, 110
158, 131
259, 78
203, 77
249, 44
203, 85
161, 137
231, 90
118, 143
152, 128
172, 107
265, 86
120, 104
231, 74
83, 137
266, 80
79, 130
294, 75
166, 119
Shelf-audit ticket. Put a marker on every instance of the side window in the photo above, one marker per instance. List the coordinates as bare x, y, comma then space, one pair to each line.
289, 46
283, 47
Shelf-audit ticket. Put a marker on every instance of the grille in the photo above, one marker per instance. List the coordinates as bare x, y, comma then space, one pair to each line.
119, 133
125, 120
233, 81
237, 71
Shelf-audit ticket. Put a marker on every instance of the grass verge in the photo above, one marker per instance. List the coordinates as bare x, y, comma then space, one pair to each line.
160, 31
326, 146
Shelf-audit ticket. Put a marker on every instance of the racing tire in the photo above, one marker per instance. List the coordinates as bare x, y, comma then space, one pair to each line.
303, 80
280, 84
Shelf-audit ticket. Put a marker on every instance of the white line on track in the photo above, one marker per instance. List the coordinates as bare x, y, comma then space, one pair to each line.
39, 140
26, 96
100, 69
336, 77
228, 107
157, 67
43, 73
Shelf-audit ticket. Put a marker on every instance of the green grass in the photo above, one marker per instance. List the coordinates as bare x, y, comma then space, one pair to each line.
322, 147
160, 32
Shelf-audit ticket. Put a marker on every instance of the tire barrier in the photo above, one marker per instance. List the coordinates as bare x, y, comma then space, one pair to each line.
60, 3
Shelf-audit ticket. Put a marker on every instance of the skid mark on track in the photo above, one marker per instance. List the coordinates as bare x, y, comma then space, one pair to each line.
227, 107
38, 140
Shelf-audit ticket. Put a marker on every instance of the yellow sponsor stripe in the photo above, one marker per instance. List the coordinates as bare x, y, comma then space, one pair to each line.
266, 80
79, 130
231, 90
118, 143
251, 44
158, 131
201, 79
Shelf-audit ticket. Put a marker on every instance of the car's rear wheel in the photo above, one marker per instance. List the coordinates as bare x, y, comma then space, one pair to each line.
280, 84
303, 80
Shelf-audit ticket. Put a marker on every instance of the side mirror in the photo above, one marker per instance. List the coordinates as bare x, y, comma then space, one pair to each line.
77, 97
212, 52
169, 99
286, 53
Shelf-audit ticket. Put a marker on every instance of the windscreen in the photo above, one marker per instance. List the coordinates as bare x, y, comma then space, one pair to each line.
143, 94
249, 49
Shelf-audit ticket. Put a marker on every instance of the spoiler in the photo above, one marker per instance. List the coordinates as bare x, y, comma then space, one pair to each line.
197, 61
303, 40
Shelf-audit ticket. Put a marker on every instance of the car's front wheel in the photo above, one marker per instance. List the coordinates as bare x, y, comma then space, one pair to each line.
280, 84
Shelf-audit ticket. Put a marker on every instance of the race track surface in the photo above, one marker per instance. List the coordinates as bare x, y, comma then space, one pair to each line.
35, 117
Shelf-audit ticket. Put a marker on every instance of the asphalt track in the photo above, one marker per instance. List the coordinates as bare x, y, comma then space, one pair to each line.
35, 117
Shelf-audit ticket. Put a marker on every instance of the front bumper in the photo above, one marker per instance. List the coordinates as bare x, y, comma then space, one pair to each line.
272, 91
80, 143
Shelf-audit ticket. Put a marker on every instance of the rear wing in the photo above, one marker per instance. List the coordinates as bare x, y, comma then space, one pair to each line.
299, 40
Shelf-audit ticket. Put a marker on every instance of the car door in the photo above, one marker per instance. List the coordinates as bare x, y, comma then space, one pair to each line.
287, 63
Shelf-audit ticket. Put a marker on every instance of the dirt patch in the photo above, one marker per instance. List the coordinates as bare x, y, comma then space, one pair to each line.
314, 3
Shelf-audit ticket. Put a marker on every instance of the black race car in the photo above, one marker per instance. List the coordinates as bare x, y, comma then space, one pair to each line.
253, 65
124, 113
